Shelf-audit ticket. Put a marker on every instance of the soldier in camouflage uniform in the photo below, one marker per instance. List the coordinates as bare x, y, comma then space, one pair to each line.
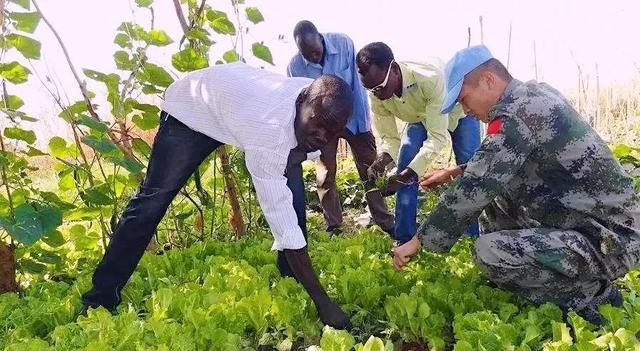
559, 215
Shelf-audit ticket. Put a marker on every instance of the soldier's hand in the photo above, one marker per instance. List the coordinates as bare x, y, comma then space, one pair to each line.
378, 167
435, 178
402, 254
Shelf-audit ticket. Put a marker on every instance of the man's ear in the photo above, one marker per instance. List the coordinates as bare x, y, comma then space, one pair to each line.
302, 96
490, 78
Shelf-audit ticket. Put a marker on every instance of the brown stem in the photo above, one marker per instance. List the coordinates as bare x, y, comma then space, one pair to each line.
194, 21
236, 220
81, 84
181, 18
5, 180
7, 269
237, 223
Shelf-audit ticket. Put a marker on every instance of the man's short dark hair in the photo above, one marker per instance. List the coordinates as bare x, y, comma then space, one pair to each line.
377, 53
492, 65
333, 96
303, 28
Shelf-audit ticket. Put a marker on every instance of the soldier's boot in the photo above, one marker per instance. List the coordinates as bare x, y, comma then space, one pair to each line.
610, 295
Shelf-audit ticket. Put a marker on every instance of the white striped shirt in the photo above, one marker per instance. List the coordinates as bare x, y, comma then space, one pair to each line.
253, 110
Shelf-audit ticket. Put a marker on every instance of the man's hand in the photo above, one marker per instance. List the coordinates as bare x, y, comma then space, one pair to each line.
402, 254
378, 167
328, 311
406, 177
438, 177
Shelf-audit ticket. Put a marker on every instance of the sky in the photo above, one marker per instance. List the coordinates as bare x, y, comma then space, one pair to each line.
566, 33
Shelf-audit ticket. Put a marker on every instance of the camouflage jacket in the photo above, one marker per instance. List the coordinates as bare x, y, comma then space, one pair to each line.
553, 167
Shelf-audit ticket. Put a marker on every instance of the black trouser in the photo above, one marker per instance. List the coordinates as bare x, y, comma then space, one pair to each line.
177, 152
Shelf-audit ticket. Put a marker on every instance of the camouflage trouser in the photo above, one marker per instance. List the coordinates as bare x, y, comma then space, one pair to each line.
545, 264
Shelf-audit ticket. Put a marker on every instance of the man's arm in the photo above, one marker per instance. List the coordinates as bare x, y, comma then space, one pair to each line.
499, 158
275, 198
277, 203
436, 124
385, 125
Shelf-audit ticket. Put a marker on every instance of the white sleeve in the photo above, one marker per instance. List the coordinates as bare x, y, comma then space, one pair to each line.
276, 201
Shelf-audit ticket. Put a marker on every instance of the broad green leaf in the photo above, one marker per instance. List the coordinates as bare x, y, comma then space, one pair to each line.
28, 47
614, 315
32, 223
14, 72
150, 89
25, 21
93, 124
31, 266
54, 239
336, 340
123, 61
135, 31
33, 152
26, 4
13, 102
82, 213
254, 15
127, 163
27, 136
158, 38
102, 77
146, 121
155, 75
199, 34
621, 150
23, 116
144, 3
372, 344
143, 107
46, 257
188, 60
213, 15
58, 147
71, 111
223, 26
122, 40
99, 195
50, 217
231, 56
101, 145
53, 199
17, 116
262, 52
141, 147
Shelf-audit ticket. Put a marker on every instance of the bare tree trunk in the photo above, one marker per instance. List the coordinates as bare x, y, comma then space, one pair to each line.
7, 269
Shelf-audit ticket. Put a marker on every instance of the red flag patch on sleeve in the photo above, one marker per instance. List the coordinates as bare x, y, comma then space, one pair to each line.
494, 126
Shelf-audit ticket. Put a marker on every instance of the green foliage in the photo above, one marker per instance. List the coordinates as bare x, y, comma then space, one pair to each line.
31, 222
254, 15
262, 52
28, 47
25, 21
14, 72
189, 60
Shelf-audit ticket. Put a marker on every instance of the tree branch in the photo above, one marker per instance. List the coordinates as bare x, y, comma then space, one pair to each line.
181, 18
